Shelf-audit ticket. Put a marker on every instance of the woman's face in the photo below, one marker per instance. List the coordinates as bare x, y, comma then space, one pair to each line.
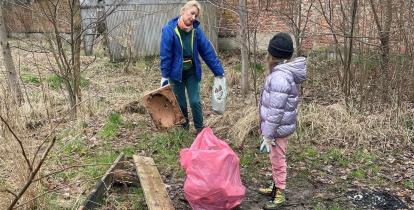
189, 15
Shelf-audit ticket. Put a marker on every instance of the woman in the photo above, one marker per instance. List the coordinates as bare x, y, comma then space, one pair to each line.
182, 42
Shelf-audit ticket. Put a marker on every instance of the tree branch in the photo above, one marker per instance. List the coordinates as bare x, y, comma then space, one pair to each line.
32, 175
20, 143
9, 191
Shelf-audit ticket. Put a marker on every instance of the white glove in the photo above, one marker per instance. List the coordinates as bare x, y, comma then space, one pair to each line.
266, 144
164, 81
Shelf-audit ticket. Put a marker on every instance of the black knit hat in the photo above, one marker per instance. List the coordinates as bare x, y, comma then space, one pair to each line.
281, 46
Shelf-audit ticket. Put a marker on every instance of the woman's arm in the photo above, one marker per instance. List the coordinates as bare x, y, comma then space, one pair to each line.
166, 51
208, 54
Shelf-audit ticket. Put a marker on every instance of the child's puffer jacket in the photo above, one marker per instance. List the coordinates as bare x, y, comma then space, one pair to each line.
280, 99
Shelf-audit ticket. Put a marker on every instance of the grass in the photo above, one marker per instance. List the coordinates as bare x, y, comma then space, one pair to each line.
56, 82
103, 159
115, 65
335, 206
368, 168
125, 89
357, 174
139, 200
150, 61
330, 206
363, 156
364, 164
128, 150
52, 201
76, 151
30, 79
310, 153
247, 158
409, 184
252, 160
336, 156
259, 68
164, 148
111, 127
77, 146
126, 198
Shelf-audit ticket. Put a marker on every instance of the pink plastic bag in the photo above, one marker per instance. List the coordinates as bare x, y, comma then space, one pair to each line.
213, 174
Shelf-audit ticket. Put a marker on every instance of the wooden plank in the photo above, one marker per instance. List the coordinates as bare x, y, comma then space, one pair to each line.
155, 193
93, 199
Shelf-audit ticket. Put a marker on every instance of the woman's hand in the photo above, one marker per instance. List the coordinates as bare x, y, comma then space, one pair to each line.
164, 81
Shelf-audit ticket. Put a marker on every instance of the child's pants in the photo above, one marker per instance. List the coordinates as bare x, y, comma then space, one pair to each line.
277, 157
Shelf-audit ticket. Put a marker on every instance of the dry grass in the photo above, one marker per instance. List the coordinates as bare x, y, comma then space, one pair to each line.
239, 120
245, 125
333, 125
14, 169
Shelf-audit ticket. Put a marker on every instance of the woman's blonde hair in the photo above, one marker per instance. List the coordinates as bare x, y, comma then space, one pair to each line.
190, 4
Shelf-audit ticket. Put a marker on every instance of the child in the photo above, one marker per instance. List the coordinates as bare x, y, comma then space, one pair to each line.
278, 110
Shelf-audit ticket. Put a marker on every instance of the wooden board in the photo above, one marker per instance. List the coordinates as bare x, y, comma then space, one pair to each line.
93, 199
155, 193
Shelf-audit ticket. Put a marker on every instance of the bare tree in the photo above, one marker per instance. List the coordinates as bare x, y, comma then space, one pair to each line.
68, 63
256, 17
76, 37
384, 36
349, 38
405, 22
335, 14
327, 11
243, 46
13, 84
297, 19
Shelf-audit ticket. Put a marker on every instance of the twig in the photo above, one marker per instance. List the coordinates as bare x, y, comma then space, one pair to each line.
20, 143
32, 175
27, 50
89, 63
9, 191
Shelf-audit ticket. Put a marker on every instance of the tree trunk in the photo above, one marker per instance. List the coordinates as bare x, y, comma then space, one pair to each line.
76, 40
385, 48
348, 74
384, 34
243, 47
298, 32
334, 36
13, 82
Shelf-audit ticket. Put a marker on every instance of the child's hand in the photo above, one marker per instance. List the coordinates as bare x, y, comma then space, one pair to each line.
266, 144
